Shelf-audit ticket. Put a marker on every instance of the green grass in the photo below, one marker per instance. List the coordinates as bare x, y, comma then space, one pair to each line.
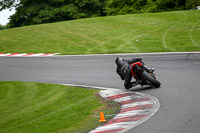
42, 108
148, 32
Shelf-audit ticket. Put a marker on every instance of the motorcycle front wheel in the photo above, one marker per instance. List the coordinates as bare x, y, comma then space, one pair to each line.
150, 79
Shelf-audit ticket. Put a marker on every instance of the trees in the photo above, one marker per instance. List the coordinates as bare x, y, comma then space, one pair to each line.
192, 3
114, 7
8, 4
136, 6
36, 12
2, 27
30, 12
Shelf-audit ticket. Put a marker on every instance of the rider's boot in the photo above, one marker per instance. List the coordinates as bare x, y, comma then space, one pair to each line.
134, 83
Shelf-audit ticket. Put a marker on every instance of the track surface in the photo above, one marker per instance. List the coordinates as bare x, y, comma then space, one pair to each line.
179, 74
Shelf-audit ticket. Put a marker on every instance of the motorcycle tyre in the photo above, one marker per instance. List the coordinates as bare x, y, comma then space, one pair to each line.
151, 79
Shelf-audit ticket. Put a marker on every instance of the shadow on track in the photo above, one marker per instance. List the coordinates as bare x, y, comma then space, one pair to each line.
138, 89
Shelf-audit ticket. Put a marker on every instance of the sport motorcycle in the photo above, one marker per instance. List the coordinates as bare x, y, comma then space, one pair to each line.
144, 76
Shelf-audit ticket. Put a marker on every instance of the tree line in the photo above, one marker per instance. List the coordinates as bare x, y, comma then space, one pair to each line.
30, 12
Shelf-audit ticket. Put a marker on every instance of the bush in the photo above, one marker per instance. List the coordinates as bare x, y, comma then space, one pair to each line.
192, 4
2, 27
124, 7
48, 11
114, 7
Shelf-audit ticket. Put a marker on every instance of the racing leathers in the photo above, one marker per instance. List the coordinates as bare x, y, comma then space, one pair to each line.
124, 70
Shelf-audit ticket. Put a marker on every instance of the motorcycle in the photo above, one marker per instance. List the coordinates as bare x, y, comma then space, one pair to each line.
144, 76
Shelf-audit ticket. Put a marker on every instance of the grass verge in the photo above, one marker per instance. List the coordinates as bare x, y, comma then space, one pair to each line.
39, 107
148, 32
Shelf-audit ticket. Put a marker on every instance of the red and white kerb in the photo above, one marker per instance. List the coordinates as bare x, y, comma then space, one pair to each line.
134, 108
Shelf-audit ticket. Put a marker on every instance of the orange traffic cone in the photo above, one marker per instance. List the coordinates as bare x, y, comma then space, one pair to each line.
102, 119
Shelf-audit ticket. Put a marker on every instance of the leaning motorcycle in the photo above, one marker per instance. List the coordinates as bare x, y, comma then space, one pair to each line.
144, 76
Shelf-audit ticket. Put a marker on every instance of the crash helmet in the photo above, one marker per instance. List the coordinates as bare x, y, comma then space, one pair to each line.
118, 59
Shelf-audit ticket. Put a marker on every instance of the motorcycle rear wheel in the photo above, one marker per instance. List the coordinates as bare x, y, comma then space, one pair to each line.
150, 79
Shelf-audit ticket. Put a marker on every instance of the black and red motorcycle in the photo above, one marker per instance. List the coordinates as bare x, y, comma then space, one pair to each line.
144, 76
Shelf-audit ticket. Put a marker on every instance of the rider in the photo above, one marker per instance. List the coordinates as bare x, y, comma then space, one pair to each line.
124, 70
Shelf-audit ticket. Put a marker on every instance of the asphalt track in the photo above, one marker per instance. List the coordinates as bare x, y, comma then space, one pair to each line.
179, 74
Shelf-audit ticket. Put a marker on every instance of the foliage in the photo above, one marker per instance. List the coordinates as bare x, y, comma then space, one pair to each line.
114, 7
29, 12
8, 4
3, 27
124, 6
192, 3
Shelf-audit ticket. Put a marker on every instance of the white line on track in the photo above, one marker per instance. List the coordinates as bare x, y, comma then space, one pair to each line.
126, 54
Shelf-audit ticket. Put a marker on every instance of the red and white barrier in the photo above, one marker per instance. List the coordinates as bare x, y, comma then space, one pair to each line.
27, 55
